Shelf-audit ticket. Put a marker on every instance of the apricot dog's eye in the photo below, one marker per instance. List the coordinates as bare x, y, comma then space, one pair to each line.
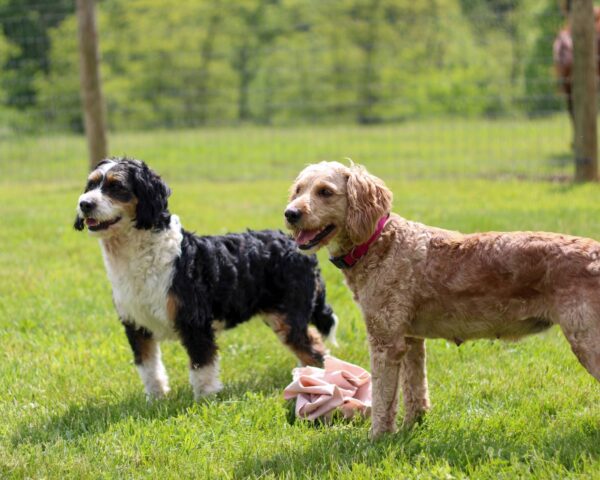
297, 190
325, 192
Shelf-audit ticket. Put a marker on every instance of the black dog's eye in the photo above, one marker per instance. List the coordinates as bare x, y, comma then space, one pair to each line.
117, 191
324, 192
91, 185
115, 187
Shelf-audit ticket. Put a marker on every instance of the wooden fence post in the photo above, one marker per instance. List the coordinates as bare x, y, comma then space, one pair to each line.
91, 88
585, 65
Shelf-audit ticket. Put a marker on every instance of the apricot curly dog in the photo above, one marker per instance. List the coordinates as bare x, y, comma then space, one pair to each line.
414, 282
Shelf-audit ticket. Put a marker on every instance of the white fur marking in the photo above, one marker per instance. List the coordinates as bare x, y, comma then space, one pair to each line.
205, 380
140, 266
332, 333
105, 208
106, 167
154, 376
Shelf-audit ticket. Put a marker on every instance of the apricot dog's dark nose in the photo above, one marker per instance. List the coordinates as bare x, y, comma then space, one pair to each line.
293, 215
86, 207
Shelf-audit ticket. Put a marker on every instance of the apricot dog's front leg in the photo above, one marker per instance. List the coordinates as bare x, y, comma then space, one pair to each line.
386, 360
414, 381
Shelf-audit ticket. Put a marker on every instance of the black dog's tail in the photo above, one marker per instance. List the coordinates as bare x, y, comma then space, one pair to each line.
323, 317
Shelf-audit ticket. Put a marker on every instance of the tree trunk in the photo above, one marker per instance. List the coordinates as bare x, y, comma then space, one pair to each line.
367, 95
206, 57
584, 90
91, 91
244, 86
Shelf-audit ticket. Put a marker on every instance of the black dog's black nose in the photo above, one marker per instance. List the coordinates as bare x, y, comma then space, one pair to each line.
293, 215
86, 207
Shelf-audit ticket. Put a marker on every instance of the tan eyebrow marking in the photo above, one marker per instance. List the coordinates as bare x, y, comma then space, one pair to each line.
95, 176
114, 177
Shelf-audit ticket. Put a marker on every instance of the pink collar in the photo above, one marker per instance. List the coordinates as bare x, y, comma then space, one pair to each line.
350, 259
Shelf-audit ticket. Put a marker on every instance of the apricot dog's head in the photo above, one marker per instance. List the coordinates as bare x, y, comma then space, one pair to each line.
331, 204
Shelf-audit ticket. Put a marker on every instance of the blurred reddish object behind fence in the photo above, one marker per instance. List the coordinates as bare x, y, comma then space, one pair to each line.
562, 53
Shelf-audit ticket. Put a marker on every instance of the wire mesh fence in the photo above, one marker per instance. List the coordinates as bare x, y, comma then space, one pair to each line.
244, 89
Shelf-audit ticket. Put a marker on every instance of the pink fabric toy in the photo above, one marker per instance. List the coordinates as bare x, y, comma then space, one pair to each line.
319, 391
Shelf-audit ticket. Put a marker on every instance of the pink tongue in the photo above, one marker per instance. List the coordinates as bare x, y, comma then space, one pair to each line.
91, 222
306, 236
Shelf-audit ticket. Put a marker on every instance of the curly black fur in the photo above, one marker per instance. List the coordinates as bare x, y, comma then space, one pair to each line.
152, 194
236, 276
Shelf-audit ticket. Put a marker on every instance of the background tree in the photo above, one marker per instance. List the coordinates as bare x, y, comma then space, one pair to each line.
541, 88
209, 62
26, 23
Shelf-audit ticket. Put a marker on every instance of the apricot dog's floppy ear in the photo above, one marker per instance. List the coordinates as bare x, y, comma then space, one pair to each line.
368, 200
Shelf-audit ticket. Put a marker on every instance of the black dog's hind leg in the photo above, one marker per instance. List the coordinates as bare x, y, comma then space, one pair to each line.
293, 331
147, 358
302, 303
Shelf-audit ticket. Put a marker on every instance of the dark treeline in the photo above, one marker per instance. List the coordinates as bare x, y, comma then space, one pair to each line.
178, 64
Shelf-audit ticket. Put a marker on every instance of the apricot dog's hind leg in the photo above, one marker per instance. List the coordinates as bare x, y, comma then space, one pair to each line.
581, 326
586, 347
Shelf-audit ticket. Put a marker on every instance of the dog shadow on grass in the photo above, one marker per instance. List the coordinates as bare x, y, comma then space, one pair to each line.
96, 416
340, 448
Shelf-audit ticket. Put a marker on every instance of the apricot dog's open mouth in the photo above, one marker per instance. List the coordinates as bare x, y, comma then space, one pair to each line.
307, 239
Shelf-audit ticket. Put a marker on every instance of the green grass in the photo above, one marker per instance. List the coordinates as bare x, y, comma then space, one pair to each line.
72, 405
473, 148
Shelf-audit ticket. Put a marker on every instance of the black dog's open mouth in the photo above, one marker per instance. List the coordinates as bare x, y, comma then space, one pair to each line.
307, 239
94, 225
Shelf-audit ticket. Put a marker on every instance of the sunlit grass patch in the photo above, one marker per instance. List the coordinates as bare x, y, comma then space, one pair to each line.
72, 405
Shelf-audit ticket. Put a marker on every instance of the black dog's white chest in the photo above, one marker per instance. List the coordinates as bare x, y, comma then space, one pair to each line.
141, 274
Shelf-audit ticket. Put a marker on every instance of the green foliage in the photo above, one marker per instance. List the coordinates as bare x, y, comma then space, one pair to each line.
382, 61
152, 66
26, 24
7, 49
58, 98
9, 118
280, 62
542, 96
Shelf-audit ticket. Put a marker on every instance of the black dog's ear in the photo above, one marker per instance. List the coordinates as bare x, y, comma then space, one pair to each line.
78, 225
152, 196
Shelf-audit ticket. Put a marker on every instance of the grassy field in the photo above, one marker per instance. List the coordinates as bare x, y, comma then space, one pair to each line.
428, 149
72, 405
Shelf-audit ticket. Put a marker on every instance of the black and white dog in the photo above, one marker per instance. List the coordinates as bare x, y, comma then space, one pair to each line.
172, 284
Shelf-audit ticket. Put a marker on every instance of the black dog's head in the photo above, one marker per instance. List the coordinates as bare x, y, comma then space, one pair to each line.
121, 193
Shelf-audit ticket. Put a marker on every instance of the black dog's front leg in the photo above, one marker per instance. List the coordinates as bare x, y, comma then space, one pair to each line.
204, 361
147, 358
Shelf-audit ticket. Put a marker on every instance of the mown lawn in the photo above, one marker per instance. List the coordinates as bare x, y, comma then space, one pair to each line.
416, 150
72, 405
